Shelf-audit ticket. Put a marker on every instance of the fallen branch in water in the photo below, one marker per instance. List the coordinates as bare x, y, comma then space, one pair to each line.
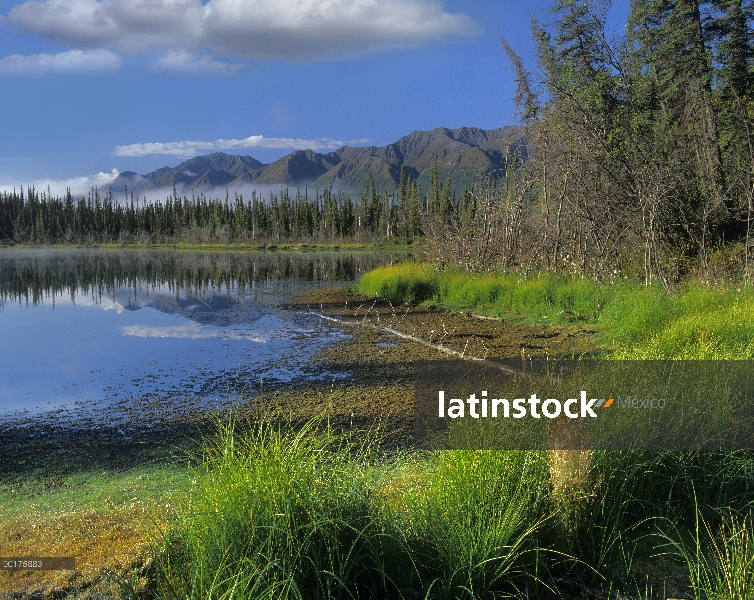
413, 338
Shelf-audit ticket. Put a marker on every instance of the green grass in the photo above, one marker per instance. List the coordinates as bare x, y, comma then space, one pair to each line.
310, 514
276, 513
720, 559
543, 297
409, 282
470, 520
537, 296
89, 490
272, 516
694, 322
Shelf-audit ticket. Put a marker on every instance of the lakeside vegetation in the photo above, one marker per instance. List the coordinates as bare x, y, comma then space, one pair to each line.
275, 513
306, 512
314, 514
696, 321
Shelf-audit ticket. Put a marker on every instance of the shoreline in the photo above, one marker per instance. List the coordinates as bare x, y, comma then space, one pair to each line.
371, 381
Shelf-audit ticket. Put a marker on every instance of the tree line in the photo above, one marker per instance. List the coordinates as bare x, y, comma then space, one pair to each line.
641, 162
34, 217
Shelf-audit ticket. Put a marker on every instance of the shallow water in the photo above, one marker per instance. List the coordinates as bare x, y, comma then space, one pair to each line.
126, 336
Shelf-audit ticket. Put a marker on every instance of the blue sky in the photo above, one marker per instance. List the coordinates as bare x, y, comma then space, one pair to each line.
88, 86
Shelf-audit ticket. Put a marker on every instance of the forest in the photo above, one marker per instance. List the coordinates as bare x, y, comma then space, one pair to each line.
41, 218
644, 151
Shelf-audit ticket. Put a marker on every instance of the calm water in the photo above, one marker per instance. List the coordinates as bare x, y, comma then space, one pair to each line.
87, 335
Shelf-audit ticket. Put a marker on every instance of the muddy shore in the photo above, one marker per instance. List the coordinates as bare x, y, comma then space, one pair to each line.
377, 366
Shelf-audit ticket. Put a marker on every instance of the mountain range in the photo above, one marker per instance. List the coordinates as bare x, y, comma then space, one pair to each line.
460, 153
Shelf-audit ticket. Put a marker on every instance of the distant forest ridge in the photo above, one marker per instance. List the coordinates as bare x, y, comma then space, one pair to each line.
460, 153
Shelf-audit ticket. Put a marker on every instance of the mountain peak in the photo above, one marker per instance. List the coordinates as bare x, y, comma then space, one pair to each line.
460, 152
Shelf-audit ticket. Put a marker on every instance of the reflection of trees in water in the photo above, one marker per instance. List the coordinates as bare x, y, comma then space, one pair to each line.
30, 276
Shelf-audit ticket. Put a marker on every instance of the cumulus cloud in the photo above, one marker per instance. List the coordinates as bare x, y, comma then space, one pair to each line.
73, 62
182, 62
297, 30
77, 185
188, 149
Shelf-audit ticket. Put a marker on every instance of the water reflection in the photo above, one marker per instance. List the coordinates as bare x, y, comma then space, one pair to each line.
33, 275
131, 335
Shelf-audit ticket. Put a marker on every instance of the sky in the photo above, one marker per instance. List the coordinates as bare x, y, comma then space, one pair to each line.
90, 88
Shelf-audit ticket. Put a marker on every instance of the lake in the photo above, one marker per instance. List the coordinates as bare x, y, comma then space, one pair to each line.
123, 337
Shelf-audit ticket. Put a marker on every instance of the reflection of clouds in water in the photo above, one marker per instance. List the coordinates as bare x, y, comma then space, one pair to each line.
104, 303
63, 299
191, 331
201, 337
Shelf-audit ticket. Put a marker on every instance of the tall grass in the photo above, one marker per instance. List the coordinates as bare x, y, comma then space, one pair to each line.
409, 282
276, 513
696, 322
631, 489
720, 559
310, 514
279, 515
534, 296
469, 518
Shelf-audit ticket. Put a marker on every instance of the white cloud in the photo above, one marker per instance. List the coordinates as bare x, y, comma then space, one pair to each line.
297, 30
194, 148
77, 185
73, 62
182, 62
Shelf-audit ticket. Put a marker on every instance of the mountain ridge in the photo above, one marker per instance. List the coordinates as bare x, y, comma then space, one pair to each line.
460, 153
